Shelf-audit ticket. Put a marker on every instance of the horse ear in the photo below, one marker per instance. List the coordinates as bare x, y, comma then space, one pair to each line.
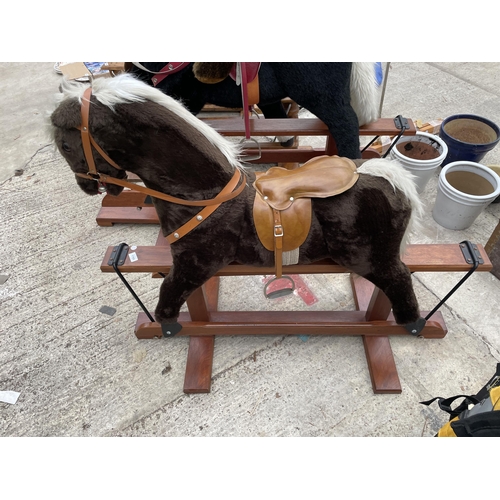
211, 72
67, 115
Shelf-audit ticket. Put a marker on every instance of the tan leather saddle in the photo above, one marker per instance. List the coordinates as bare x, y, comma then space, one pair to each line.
282, 207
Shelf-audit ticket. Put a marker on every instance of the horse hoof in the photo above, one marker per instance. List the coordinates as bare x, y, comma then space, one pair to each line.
416, 327
287, 143
170, 329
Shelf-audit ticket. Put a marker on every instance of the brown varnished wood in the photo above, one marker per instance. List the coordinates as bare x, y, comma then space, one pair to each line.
343, 323
132, 197
492, 248
418, 258
379, 356
381, 365
199, 362
108, 216
372, 319
300, 127
198, 376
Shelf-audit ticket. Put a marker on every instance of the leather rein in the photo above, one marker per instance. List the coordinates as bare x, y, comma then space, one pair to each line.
229, 191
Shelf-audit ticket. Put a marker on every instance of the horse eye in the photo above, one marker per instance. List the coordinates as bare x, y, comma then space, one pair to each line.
66, 147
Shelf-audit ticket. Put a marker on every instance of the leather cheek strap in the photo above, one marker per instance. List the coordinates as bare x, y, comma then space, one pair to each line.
87, 140
84, 130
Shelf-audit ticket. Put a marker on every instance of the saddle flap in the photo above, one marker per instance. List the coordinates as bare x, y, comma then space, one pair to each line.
295, 221
320, 177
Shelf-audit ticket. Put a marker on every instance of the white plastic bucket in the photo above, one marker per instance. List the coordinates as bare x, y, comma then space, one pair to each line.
465, 189
496, 169
423, 170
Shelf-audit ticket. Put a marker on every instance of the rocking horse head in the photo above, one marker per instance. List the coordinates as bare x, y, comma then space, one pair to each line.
68, 129
125, 134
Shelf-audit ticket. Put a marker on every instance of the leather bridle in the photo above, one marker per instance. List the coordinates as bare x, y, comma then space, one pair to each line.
230, 190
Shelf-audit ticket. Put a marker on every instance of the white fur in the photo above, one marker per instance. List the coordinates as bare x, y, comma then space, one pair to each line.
400, 179
125, 88
365, 97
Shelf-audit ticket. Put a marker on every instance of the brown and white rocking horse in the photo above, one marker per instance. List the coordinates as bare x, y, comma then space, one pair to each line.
359, 212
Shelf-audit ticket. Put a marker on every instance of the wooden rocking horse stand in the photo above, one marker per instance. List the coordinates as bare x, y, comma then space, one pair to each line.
372, 318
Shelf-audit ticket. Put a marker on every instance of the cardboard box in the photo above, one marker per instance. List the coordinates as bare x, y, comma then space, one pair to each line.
431, 127
83, 71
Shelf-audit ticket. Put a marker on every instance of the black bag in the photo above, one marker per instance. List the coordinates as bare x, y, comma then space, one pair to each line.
476, 416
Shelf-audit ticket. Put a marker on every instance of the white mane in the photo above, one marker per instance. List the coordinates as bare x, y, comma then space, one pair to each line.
126, 88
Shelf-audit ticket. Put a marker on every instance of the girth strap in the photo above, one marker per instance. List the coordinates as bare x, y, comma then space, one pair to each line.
278, 243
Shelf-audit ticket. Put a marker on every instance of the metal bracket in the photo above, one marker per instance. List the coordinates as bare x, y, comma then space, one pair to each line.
471, 253
472, 256
117, 258
401, 123
415, 328
169, 330
118, 255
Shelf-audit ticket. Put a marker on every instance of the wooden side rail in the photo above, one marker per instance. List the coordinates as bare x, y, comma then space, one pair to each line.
418, 258
372, 318
131, 207
312, 127
234, 127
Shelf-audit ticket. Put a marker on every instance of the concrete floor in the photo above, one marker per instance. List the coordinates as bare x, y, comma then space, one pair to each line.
82, 372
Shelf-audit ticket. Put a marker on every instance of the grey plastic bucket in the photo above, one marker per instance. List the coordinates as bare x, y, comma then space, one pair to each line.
465, 189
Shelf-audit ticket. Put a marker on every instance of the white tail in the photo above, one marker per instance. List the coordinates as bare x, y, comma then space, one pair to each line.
365, 95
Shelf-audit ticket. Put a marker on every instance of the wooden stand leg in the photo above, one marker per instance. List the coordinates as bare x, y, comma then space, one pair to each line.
492, 248
379, 356
199, 363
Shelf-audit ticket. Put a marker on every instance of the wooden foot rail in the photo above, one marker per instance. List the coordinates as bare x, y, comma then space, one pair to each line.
131, 207
372, 318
